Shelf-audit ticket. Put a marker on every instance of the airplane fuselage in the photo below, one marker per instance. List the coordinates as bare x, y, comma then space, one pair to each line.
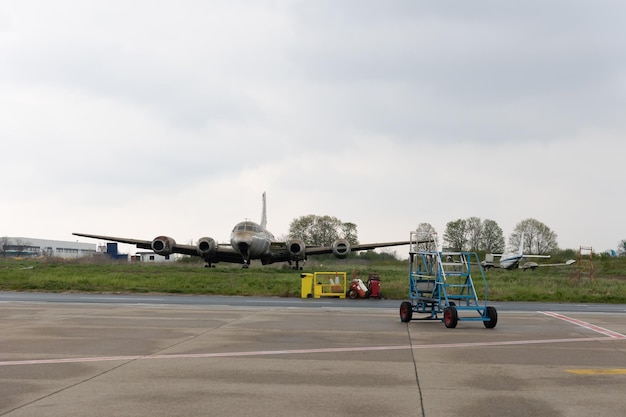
510, 261
251, 241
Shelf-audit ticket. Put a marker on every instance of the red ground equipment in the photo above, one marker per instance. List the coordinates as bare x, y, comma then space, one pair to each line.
373, 283
358, 289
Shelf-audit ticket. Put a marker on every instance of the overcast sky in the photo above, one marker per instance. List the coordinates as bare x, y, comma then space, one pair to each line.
141, 118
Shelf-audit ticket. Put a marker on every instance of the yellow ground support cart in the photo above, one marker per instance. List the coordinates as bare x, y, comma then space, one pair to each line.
323, 284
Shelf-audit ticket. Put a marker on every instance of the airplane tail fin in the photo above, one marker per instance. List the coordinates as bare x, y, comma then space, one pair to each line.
521, 245
264, 214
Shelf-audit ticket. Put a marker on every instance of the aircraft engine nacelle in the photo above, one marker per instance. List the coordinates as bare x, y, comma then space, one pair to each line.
207, 247
297, 249
341, 248
163, 245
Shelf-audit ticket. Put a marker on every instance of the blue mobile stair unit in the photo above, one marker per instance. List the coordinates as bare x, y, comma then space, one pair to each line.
441, 286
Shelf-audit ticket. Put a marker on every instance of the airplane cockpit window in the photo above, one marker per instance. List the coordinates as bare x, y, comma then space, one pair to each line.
247, 227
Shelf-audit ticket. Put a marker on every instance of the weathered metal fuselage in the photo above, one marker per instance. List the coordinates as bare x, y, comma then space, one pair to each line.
251, 240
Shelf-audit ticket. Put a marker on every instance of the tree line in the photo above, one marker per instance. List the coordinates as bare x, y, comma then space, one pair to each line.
474, 234
322, 230
471, 234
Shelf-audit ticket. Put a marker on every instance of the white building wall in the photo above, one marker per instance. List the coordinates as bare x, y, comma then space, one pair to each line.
24, 246
153, 257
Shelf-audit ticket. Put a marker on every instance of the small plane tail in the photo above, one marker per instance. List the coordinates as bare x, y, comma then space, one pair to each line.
264, 214
521, 245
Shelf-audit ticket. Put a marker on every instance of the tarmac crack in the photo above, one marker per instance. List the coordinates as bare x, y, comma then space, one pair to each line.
98, 375
197, 335
417, 378
68, 387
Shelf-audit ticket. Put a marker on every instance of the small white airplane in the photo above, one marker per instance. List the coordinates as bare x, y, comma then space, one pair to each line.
512, 260
248, 241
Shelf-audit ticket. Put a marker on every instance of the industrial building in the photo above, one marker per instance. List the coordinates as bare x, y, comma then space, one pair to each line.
26, 247
31, 247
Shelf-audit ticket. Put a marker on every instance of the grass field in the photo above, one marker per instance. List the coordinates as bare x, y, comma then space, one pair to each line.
556, 284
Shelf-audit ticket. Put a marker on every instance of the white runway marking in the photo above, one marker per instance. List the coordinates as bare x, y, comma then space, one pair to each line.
300, 351
597, 329
608, 335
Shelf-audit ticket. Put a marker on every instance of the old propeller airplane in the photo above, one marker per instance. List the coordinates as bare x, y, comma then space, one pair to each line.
248, 241
513, 260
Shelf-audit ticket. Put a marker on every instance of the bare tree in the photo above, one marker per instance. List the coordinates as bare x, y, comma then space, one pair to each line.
4, 246
425, 231
20, 246
538, 238
17, 247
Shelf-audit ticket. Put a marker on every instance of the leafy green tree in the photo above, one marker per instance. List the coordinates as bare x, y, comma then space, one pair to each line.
474, 230
492, 238
455, 236
621, 248
300, 228
322, 230
538, 238
474, 234
349, 232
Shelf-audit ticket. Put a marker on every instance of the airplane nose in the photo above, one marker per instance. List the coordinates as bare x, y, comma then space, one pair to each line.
243, 243
243, 246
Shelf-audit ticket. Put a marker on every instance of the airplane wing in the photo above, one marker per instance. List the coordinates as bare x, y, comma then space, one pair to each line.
321, 250
293, 251
143, 244
527, 265
534, 265
297, 250
224, 253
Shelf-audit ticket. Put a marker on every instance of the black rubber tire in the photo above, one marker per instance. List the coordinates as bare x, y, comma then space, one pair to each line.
353, 294
450, 317
492, 314
406, 312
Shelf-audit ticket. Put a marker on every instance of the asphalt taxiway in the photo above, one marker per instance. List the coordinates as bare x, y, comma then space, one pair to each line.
136, 358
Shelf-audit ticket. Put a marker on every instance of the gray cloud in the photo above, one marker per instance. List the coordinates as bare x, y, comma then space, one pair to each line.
353, 107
